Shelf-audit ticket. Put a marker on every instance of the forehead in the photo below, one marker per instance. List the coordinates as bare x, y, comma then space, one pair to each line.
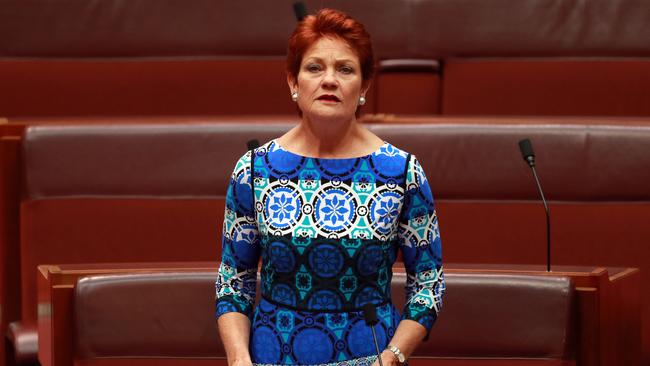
331, 48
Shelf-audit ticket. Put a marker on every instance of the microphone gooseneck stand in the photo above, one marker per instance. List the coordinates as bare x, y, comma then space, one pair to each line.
370, 315
528, 154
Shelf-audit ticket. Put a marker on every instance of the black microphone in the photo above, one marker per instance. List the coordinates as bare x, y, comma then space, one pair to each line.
300, 10
527, 153
252, 144
370, 315
526, 148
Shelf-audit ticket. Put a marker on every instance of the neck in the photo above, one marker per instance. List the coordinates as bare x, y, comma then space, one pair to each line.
326, 138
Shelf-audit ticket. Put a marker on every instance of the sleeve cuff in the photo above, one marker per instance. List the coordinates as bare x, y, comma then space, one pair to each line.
233, 304
425, 316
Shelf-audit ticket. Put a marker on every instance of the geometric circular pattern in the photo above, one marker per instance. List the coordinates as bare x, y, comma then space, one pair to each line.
316, 338
282, 257
326, 260
334, 209
282, 207
384, 209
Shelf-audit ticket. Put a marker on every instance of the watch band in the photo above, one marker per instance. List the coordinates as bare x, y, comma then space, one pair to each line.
398, 354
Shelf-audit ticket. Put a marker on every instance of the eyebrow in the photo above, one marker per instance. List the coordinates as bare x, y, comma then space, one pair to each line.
338, 60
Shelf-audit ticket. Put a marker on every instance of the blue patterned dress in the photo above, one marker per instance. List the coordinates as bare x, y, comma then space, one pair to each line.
328, 232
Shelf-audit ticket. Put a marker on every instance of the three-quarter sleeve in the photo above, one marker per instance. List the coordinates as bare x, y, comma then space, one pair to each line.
236, 281
419, 239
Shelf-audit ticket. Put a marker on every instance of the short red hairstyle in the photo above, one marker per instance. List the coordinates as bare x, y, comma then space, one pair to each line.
330, 23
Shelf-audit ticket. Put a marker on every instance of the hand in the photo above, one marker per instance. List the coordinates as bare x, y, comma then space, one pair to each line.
388, 358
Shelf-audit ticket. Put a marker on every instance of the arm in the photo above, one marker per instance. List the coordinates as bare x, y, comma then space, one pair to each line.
421, 250
234, 329
236, 281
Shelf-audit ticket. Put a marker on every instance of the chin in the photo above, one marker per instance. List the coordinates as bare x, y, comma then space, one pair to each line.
332, 115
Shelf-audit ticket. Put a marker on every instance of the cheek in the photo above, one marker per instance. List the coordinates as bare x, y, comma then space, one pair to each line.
309, 87
307, 91
353, 92
305, 98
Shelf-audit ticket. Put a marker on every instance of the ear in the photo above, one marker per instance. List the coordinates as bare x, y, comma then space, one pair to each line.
364, 87
293, 85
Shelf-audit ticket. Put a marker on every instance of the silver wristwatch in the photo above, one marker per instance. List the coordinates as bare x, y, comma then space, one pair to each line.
398, 354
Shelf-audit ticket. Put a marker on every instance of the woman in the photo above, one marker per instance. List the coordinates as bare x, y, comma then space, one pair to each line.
327, 206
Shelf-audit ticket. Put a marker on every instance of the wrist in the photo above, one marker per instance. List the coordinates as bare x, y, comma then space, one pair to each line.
241, 359
241, 362
396, 353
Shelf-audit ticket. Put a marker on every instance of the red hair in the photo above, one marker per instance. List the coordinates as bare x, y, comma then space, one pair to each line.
330, 23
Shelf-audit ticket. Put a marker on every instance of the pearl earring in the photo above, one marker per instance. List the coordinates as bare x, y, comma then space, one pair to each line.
362, 100
294, 96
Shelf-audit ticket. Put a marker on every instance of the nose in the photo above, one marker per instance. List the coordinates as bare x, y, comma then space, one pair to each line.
329, 80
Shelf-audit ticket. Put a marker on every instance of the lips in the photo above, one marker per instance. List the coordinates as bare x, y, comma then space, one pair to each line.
329, 98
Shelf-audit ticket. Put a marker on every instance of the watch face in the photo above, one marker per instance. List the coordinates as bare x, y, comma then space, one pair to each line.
400, 358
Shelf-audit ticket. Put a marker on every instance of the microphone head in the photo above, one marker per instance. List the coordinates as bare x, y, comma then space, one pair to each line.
252, 144
300, 10
370, 314
527, 152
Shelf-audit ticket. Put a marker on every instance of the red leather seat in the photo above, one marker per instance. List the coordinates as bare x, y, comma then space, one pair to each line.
171, 315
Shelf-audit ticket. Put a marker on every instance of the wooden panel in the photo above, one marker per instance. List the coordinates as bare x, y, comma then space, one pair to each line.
588, 327
547, 87
118, 230
407, 93
9, 240
623, 311
143, 87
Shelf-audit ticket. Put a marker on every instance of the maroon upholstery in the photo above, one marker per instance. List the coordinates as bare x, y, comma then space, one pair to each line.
483, 162
147, 315
582, 162
399, 29
168, 160
165, 315
503, 316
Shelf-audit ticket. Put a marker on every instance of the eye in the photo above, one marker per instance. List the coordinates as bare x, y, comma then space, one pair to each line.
346, 70
313, 67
